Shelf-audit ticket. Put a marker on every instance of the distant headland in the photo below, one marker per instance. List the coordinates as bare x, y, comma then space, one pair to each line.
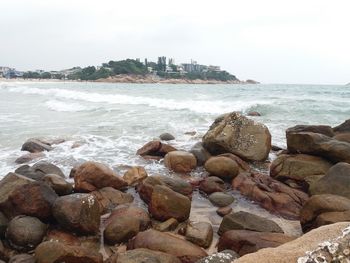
134, 71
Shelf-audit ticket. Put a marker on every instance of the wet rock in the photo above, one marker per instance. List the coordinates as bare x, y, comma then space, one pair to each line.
168, 243
3, 225
28, 157
201, 154
254, 114
61, 236
225, 256
146, 255
34, 145
155, 149
332, 217
121, 229
166, 137
222, 167
166, 203
32, 199
134, 175
24, 233
54, 252
344, 137
180, 161
344, 127
222, 211
91, 176
320, 129
221, 199
247, 221
78, 212
320, 204
108, 198
22, 258
200, 233
318, 144
245, 241
271, 194
47, 168
242, 165
28, 172
168, 225
276, 148
58, 184
239, 135
5, 253
211, 185
132, 212
336, 181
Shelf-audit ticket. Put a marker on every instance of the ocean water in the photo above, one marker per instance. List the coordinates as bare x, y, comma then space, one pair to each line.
112, 121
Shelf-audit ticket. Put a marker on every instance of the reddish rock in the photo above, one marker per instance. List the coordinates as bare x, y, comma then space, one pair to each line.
200, 233
134, 175
155, 149
344, 137
180, 161
91, 176
271, 194
222, 211
320, 129
131, 212
222, 167
212, 184
58, 184
121, 229
62, 237
242, 165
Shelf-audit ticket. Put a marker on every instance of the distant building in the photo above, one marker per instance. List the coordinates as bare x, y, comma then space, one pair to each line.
214, 68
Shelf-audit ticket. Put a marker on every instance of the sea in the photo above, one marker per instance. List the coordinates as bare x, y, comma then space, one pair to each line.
110, 121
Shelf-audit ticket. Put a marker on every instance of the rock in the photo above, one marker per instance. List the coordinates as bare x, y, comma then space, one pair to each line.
200, 233
33, 199
320, 129
222, 167
247, 221
109, 198
28, 157
121, 229
78, 212
336, 181
34, 145
225, 256
167, 243
319, 204
166, 203
22, 258
344, 137
271, 194
47, 168
332, 217
239, 135
131, 212
294, 250
24, 233
318, 144
58, 184
155, 149
222, 211
146, 255
67, 238
221, 199
298, 167
201, 154
211, 185
134, 175
168, 225
180, 161
276, 148
344, 127
3, 225
54, 252
91, 176
242, 165
245, 241
254, 114
5, 253
166, 137
28, 172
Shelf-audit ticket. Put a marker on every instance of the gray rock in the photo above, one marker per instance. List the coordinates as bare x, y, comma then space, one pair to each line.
22, 258
201, 154
3, 225
34, 145
200, 233
221, 199
121, 229
58, 184
166, 137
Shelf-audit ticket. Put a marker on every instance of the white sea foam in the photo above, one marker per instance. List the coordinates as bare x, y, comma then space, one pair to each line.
57, 105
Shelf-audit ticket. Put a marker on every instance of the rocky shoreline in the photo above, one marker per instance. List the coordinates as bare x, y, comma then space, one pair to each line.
91, 216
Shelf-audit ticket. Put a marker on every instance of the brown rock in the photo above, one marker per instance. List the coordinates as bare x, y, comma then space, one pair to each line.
222, 167
22, 258
60, 236
221, 199
254, 114
222, 211
170, 244
131, 212
134, 175
242, 165
320, 129
180, 161
28, 157
200, 233
34, 145
212, 184
58, 184
47, 168
245, 241
168, 225
344, 127
91, 176
271, 194
155, 148
146, 255
201, 154
344, 137
121, 229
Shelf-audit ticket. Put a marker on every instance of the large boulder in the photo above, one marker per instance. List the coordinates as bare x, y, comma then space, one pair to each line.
167, 243
312, 215
201, 154
47, 168
239, 135
200, 233
243, 166
336, 181
247, 221
121, 229
134, 175
295, 250
54, 252
318, 144
28, 157
155, 150
58, 184
146, 255
321, 129
166, 203
35, 145
91, 176
180, 161
344, 127
271, 194
245, 241
24, 233
344, 137
222, 167
131, 212
78, 212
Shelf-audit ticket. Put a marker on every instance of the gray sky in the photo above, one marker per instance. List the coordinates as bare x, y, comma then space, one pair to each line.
272, 41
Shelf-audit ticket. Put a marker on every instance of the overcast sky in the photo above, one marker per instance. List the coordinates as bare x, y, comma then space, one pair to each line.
272, 41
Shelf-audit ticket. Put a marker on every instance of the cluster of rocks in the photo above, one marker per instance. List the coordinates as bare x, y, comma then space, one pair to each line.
46, 219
